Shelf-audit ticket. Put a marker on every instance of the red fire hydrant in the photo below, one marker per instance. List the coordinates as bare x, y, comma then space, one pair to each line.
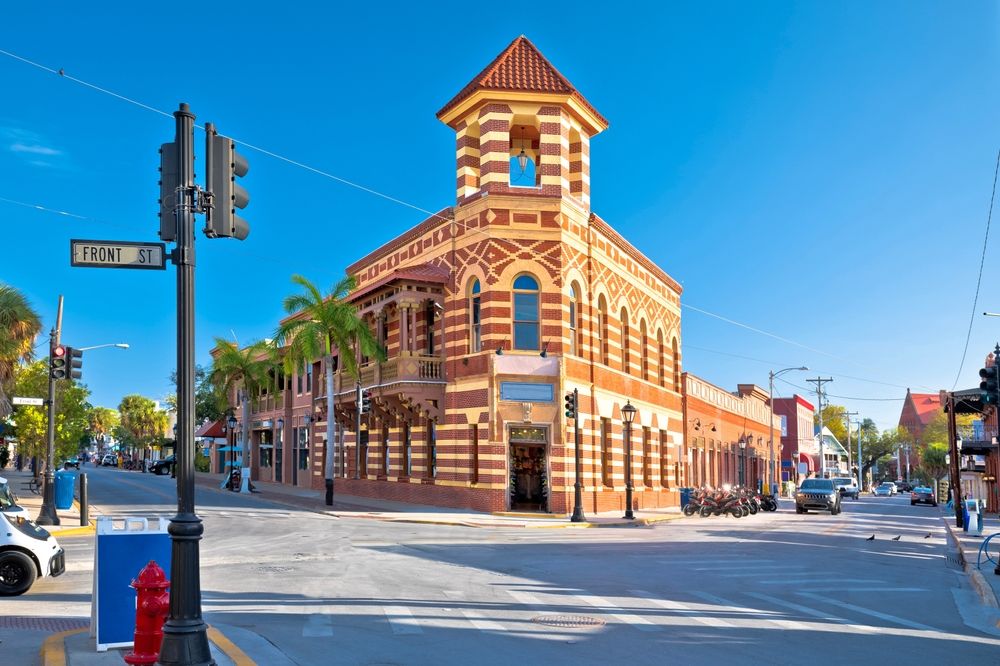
151, 605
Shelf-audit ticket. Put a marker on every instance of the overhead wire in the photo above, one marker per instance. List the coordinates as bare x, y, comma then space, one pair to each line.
979, 279
61, 73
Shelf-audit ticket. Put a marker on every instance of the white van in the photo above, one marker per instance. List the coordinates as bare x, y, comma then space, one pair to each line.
27, 551
847, 485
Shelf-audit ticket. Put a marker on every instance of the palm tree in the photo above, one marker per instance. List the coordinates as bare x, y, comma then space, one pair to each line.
19, 326
319, 325
244, 370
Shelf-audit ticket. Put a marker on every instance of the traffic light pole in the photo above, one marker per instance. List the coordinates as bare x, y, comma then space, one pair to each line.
578, 516
47, 514
357, 432
185, 634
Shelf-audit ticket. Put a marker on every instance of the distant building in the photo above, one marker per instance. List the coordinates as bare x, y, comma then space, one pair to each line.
795, 423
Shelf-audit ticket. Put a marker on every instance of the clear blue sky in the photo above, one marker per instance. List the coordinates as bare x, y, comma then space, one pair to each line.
820, 171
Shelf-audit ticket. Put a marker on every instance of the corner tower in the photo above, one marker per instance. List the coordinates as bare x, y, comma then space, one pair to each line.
521, 127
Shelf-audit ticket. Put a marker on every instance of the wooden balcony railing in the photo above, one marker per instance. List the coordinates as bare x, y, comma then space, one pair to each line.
400, 369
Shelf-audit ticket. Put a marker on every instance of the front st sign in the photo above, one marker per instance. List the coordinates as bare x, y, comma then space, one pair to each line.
117, 254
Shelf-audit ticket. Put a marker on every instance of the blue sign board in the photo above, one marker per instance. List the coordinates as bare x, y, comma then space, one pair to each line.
119, 555
526, 392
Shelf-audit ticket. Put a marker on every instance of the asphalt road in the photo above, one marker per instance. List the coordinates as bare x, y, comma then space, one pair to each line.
773, 588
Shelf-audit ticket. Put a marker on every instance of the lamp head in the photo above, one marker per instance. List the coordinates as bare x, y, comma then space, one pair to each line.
628, 412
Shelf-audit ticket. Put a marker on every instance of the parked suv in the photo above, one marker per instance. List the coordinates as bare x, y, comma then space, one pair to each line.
847, 486
109, 460
820, 494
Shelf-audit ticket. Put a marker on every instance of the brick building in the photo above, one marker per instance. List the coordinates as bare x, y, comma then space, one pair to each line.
727, 434
799, 448
490, 311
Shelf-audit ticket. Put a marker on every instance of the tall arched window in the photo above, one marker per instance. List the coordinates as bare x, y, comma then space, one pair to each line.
676, 357
526, 315
643, 356
626, 360
661, 361
475, 326
602, 327
574, 314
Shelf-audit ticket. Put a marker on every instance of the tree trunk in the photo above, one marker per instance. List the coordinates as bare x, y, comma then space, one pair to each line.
331, 447
245, 465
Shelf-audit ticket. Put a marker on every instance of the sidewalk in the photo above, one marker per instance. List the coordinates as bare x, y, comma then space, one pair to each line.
69, 519
349, 506
966, 545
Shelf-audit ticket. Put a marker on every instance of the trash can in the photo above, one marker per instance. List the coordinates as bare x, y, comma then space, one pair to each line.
685, 497
65, 483
965, 516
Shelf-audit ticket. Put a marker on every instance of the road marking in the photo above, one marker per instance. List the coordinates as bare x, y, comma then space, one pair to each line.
752, 567
676, 606
841, 588
811, 611
640, 623
732, 607
866, 611
475, 618
822, 580
318, 625
401, 620
526, 598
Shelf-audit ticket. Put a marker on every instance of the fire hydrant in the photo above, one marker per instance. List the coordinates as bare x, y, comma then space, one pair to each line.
151, 605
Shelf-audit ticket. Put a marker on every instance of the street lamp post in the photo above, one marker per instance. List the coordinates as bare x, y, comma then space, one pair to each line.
770, 433
279, 450
628, 414
232, 450
743, 459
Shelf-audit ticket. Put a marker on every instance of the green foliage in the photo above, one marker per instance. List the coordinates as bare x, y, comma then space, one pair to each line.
835, 419
209, 401
932, 461
202, 463
19, 326
247, 369
102, 421
71, 416
142, 424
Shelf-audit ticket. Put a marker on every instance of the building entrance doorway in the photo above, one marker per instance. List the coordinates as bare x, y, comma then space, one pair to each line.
529, 485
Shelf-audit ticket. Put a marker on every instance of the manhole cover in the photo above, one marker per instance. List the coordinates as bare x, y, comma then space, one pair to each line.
569, 621
275, 569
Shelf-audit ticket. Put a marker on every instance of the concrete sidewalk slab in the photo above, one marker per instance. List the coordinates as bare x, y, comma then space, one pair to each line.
966, 546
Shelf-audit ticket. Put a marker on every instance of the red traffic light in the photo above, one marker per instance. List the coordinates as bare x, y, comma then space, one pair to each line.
59, 351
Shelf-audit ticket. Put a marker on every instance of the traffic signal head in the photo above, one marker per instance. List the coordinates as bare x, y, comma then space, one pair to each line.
169, 180
57, 363
223, 165
366, 401
990, 386
74, 358
571, 405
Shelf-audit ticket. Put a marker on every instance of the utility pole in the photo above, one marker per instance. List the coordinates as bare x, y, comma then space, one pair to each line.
849, 455
860, 483
819, 381
185, 634
47, 514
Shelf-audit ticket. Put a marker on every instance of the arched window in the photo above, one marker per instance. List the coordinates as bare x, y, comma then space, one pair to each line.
574, 314
677, 365
602, 325
475, 326
626, 360
661, 361
526, 315
643, 356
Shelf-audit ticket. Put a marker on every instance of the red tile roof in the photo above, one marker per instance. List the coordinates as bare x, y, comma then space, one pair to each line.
522, 68
926, 405
211, 429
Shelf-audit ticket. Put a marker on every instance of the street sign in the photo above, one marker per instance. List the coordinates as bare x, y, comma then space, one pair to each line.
37, 402
116, 254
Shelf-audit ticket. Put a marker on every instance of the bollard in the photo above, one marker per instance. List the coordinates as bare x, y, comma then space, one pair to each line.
84, 506
151, 605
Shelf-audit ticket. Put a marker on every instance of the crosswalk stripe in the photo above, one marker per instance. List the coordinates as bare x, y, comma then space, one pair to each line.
810, 611
732, 606
687, 611
867, 588
866, 611
822, 580
640, 623
401, 620
474, 617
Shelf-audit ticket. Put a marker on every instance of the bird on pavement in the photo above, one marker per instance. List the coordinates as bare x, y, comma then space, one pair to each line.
927, 536
871, 538
896, 538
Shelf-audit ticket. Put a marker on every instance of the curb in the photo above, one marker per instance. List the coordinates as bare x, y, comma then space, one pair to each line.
986, 594
53, 651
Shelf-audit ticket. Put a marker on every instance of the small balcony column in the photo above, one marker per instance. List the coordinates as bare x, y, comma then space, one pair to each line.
441, 351
413, 329
404, 319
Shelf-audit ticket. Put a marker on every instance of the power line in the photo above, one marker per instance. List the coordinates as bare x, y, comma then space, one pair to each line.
979, 279
841, 397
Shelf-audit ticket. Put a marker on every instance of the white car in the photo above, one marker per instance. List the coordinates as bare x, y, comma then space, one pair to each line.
27, 552
888, 489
